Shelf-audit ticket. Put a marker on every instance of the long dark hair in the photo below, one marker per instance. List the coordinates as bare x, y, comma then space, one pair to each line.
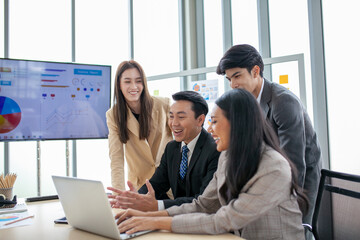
120, 105
249, 130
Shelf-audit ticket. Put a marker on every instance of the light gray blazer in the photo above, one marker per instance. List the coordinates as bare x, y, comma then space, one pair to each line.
264, 209
297, 137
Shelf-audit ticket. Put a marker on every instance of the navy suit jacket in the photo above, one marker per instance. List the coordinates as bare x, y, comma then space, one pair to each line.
203, 165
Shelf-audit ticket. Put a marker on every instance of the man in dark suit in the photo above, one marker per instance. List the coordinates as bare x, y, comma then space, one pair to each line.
187, 165
243, 67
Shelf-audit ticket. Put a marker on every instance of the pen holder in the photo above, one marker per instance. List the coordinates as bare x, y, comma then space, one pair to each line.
7, 192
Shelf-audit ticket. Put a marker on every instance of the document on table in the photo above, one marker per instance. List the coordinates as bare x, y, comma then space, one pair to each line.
8, 215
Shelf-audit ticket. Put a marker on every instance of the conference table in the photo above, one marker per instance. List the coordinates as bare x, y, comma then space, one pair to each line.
43, 227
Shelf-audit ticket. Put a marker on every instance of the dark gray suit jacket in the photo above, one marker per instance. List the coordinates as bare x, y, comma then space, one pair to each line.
291, 123
203, 165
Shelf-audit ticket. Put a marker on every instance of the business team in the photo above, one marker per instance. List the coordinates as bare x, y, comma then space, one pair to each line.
187, 165
255, 184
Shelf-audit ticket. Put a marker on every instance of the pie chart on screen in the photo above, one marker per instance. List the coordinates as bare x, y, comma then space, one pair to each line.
10, 114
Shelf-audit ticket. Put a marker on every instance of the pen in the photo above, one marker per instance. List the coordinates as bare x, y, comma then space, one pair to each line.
18, 220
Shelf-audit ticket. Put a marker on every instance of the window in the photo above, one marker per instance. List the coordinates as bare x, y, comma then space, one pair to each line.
2, 28
1, 55
41, 33
245, 22
213, 32
23, 162
40, 30
100, 40
156, 36
342, 51
103, 39
161, 87
289, 32
53, 162
1, 158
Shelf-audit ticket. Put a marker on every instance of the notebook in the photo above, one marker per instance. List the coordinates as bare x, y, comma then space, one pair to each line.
87, 207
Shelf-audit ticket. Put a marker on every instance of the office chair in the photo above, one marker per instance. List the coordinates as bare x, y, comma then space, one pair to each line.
338, 202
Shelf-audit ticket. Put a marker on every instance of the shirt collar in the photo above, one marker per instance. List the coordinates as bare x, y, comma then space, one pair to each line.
191, 144
261, 90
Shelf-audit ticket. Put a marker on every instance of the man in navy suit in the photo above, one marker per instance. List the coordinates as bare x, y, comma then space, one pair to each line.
243, 67
187, 165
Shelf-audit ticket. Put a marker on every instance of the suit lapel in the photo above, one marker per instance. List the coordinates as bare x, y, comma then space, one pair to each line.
266, 97
194, 158
133, 124
176, 166
197, 150
134, 127
154, 123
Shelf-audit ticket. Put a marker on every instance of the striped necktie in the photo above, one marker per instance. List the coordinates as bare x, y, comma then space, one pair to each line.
184, 162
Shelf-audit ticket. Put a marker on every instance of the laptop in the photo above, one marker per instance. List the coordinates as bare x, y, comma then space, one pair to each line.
87, 207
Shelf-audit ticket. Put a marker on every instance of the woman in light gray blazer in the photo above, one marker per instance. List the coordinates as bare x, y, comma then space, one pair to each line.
253, 193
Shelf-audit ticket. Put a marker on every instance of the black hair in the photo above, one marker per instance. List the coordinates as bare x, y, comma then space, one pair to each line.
249, 130
199, 105
242, 56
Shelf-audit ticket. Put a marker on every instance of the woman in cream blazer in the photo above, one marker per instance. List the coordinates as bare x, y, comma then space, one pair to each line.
141, 148
253, 193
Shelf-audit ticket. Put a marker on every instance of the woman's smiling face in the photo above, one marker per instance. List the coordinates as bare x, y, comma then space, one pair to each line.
131, 85
220, 129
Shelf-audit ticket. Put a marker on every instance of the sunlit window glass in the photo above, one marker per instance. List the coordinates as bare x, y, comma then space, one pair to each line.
156, 35
100, 39
213, 32
2, 28
53, 162
245, 22
38, 30
1, 55
342, 50
289, 33
24, 164
161, 87
1, 155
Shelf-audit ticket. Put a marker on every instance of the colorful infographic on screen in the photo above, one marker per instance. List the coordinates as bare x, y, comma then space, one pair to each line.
50, 100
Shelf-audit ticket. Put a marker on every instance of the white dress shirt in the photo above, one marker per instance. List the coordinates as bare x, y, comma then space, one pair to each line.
261, 90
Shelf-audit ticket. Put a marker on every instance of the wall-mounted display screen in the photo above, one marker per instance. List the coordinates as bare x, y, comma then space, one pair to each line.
50, 100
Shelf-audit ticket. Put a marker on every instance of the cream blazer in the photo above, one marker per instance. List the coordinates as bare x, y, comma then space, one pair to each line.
142, 156
264, 209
